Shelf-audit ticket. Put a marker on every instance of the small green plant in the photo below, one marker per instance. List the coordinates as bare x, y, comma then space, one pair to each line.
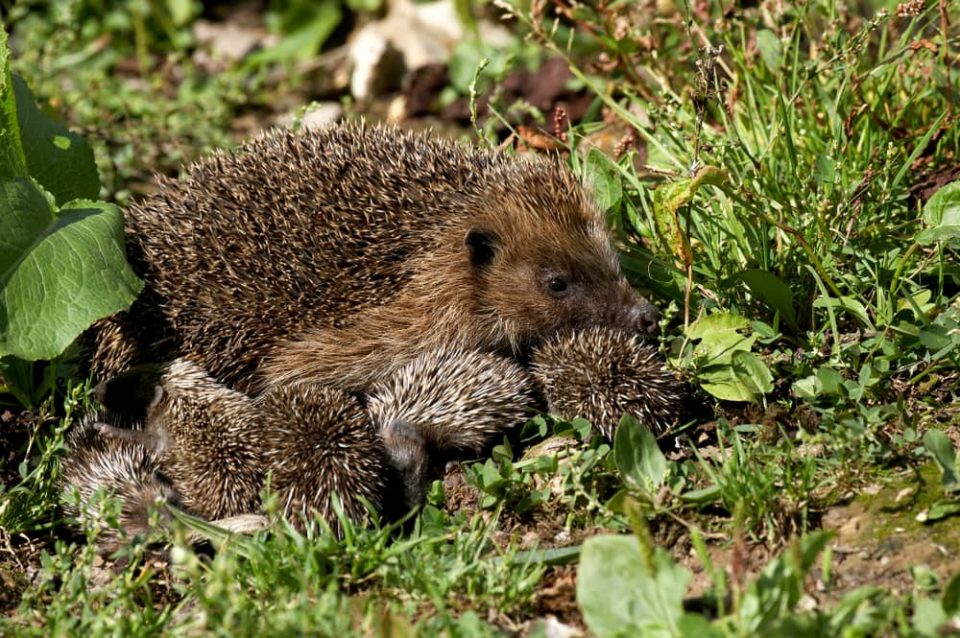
941, 449
719, 352
651, 593
28, 504
62, 261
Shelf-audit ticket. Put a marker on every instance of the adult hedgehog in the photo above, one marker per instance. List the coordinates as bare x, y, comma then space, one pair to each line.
337, 256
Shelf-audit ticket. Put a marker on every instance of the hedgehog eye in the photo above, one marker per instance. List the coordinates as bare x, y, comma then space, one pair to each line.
557, 286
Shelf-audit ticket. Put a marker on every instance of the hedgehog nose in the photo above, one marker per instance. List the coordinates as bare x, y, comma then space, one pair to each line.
645, 316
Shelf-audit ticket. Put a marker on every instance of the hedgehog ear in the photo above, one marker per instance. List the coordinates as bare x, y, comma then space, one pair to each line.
482, 245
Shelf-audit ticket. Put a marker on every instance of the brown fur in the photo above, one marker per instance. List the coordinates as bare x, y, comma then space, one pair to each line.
601, 374
337, 256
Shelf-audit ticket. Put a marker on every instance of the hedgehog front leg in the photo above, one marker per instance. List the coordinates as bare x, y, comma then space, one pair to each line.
446, 403
406, 452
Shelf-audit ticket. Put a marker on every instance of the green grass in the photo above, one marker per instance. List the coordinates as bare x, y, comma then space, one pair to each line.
770, 197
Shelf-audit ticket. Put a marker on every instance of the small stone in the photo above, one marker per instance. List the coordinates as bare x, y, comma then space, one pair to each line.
321, 114
553, 628
230, 41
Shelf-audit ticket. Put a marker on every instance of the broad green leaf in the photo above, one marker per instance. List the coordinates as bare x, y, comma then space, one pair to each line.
620, 595
639, 459
928, 617
696, 625
752, 369
942, 212
830, 380
951, 595
941, 510
847, 304
582, 427
946, 232
72, 272
25, 213
935, 337
12, 161
770, 48
941, 447
944, 206
808, 387
604, 178
745, 378
668, 199
720, 336
60, 160
773, 292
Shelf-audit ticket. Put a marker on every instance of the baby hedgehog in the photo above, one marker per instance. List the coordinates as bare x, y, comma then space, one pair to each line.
217, 446
337, 256
318, 440
601, 374
445, 403
124, 469
207, 438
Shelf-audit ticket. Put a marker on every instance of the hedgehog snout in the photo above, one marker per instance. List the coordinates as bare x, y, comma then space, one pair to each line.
644, 316
633, 313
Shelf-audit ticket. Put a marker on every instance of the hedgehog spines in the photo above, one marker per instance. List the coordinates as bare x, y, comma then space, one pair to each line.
601, 374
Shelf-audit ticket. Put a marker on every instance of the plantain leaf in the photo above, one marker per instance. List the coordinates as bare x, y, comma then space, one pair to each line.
620, 595
746, 378
773, 292
59, 271
60, 160
720, 335
639, 459
942, 212
12, 161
